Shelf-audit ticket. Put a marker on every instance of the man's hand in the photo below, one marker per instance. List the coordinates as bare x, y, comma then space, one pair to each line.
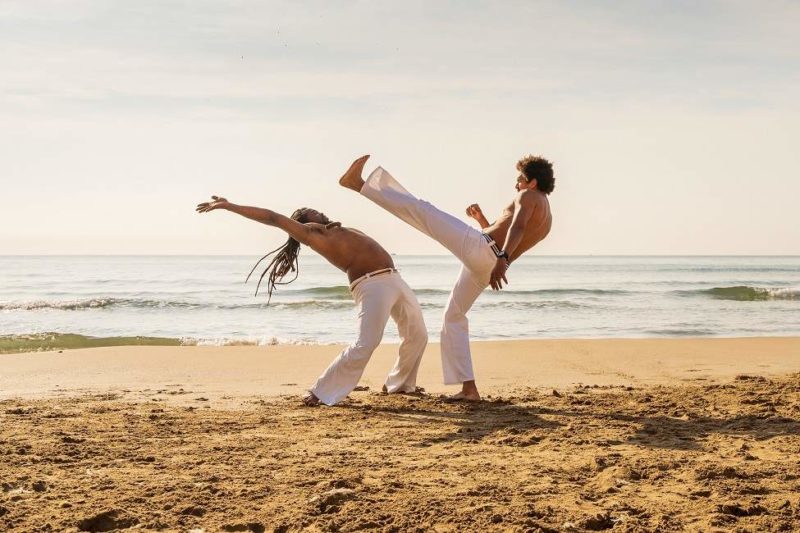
474, 211
218, 202
498, 274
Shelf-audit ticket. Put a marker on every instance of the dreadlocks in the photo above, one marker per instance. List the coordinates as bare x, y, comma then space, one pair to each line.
285, 260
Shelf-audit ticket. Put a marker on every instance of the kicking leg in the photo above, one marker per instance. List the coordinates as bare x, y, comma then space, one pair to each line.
461, 239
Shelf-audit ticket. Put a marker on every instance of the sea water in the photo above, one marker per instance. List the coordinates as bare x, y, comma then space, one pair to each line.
203, 299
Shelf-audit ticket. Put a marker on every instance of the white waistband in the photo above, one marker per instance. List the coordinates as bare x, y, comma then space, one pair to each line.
370, 275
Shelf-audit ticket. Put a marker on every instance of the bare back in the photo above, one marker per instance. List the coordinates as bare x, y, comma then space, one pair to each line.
537, 227
349, 250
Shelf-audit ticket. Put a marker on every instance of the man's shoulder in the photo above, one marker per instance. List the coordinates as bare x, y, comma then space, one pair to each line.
314, 226
527, 196
336, 228
532, 195
324, 227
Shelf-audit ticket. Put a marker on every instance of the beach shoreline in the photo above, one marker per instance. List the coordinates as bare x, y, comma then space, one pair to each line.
233, 372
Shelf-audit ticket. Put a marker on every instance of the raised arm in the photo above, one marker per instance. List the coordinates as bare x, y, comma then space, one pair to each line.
300, 232
474, 211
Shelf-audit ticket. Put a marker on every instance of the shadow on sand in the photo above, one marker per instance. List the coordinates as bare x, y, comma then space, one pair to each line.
645, 417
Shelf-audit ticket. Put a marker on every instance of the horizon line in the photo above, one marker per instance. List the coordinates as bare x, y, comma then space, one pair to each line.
404, 255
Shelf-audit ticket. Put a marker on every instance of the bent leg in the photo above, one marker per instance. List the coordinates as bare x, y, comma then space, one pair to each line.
456, 354
342, 376
413, 340
449, 231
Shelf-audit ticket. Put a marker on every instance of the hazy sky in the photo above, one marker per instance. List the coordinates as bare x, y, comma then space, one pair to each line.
674, 126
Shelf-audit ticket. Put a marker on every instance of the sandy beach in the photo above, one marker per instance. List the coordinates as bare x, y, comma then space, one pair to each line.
234, 372
573, 435
591, 209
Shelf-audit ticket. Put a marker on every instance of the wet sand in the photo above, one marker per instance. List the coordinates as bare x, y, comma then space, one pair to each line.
688, 444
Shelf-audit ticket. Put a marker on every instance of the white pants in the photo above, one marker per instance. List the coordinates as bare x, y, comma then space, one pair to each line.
378, 298
465, 242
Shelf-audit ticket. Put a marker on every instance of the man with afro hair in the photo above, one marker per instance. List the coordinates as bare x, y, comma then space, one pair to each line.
485, 255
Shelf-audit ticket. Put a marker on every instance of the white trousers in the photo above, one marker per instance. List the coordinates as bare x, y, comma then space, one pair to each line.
377, 298
465, 242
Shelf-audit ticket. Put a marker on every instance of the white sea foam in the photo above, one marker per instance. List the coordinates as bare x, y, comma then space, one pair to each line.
204, 300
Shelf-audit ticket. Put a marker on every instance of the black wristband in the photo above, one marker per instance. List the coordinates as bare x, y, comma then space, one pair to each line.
503, 254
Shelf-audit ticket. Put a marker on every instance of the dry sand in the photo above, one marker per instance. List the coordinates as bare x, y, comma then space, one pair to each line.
663, 435
239, 371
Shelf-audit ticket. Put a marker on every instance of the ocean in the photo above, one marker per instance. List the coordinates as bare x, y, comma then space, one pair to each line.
204, 300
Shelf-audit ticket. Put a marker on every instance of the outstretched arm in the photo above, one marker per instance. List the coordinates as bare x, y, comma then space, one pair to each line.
296, 230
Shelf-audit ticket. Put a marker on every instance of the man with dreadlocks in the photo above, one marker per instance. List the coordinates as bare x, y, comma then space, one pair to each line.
485, 255
377, 288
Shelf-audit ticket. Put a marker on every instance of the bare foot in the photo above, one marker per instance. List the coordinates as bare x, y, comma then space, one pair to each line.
464, 397
417, 391
352, 178
310, 400
469, 393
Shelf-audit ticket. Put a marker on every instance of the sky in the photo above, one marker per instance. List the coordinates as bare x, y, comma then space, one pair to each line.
674, 127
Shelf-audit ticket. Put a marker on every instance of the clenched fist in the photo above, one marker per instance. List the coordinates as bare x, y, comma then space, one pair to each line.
474, 211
